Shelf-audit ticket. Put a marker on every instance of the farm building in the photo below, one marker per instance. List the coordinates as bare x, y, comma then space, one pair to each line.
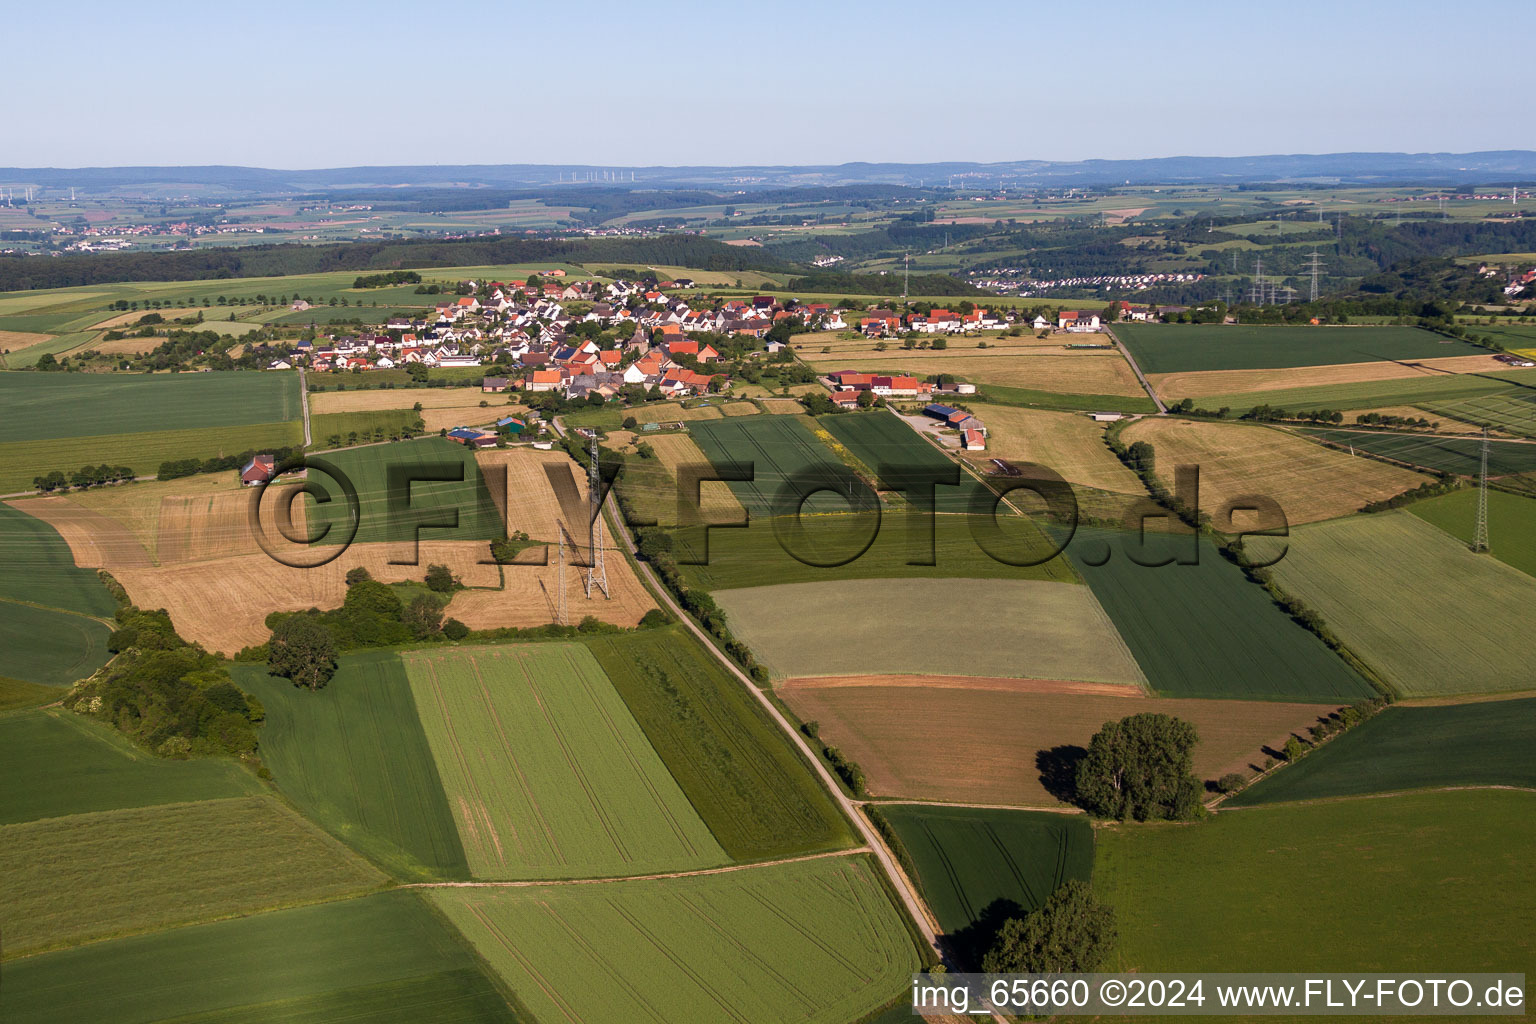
1076, 323
1106, 417
471, 438
939, 412
973, 441
511, 424
495, 385
845, 398
259, 470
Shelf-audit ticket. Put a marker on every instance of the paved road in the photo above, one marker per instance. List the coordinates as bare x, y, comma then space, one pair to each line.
1137, 367
919, 912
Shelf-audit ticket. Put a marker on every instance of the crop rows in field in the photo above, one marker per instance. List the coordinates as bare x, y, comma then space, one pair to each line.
44, 406
816, 941
1460, 455
1024, 628
1511, 523
1170, 348
85, 876
741, 776
354, 757
1415, 604
972, 861
1443, 392
1202, 629
891, 449
779, 448
1487, 743
382, 959
547, 773
1512, 410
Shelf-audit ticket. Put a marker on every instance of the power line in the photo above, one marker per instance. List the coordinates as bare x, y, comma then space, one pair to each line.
1480, 534
1315, 267
597, 574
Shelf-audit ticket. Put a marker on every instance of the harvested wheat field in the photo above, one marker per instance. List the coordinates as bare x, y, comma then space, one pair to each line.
1080, 373
523, 483
1069, 443
846, 343
222, 603
979, 744
1447, 425
401, 398
1199, 383
96, 541
531, 596
1309, 481
131, 346
783, 406
667, 412
12, 341
739, 409
656, 492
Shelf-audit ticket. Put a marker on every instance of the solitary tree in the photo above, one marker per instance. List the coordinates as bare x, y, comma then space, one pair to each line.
302, 649
1071, 932
1141, 767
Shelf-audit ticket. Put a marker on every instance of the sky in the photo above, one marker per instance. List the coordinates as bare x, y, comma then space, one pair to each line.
673, 82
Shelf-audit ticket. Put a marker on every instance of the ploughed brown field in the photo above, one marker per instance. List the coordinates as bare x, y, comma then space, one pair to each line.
976, 741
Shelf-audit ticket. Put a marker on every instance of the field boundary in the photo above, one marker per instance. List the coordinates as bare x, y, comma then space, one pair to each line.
525, 883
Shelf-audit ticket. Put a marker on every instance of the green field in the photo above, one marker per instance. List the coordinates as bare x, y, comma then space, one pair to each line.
1488, 743
1512, 410
55, 648
1171, 348
1204, 630
890, 447
547, 772
973, 863
325, 425
353, 756
1511, 523
16, 694
448, 489
39, 568
755, 555
1442, 393
933, 627
22, 461
1437, 452
1000, 395
54, 763
46, 406
69, 880
778, 447
386, 959
1405, 883
814, 941
743, 778
1369, 577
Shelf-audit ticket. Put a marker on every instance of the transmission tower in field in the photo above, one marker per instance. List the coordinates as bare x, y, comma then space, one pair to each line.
1480, 532
1315, 268
597, 574
906, 275
560, 616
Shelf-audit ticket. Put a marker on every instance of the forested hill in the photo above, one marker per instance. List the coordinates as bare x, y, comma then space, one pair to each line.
19, 273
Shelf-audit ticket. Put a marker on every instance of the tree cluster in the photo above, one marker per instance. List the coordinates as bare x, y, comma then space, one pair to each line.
1141, 767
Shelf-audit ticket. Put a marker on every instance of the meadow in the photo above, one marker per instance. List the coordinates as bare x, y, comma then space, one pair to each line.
48, 406
18, 694
980, 739
1200, 384
354, 757
1071, 444
1485, 743
547, 773
1407, 883
1308, 481
1202, 629
445, 489
87, 876
996, 395
1511, 523
969, 859
1436, 452
901, 545
1367, 576
1172, 348
55, 648
743, 778
816, 941
384, 959
351, 427
56, 763
981, 627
